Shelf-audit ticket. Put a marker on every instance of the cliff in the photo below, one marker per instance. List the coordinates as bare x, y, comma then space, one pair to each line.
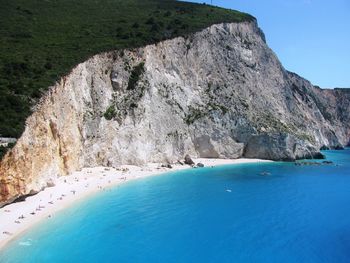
218, 93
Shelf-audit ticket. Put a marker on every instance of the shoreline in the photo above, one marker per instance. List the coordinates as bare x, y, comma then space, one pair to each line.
16, 218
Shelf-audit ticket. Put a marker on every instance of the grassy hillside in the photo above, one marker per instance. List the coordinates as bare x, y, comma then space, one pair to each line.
41, 40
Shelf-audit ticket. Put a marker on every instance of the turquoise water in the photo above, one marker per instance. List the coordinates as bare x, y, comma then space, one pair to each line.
295, 214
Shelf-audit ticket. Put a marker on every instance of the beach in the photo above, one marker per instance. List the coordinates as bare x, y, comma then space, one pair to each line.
17, 217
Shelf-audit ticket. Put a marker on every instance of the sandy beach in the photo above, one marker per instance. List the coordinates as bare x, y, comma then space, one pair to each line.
18, 217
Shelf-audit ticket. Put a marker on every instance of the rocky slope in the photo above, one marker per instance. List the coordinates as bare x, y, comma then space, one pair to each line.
219, 93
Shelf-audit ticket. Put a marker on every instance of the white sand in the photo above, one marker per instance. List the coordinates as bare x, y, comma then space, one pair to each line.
69, 189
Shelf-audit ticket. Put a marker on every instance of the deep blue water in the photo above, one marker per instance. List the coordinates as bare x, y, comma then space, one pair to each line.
296, 214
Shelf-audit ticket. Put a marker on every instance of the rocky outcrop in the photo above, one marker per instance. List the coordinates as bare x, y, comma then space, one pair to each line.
188, 160
218, 93
279, 146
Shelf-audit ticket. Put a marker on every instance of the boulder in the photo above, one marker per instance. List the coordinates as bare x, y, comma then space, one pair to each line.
188, 160
317, 155
50, 183
338, 147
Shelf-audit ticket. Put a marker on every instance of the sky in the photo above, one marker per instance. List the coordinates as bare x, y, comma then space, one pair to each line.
310, 37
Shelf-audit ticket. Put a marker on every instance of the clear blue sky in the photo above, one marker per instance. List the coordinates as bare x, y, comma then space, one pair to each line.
310, 37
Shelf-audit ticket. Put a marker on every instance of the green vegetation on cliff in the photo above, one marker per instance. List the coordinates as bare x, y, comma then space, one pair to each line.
40, 41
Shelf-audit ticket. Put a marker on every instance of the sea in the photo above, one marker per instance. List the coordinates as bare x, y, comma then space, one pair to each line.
259, 212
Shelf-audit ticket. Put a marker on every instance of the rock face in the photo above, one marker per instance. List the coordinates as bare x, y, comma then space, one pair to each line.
219, 93
280, 146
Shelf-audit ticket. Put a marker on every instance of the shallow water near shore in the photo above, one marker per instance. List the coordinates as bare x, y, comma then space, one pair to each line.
263, 212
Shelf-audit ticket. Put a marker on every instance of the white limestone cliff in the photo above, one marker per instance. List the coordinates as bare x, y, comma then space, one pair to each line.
218, 93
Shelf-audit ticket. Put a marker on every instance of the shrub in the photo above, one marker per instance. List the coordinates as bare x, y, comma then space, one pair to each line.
110, 113
193, 115
155, 28
150, 21
167, 13
135, 75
